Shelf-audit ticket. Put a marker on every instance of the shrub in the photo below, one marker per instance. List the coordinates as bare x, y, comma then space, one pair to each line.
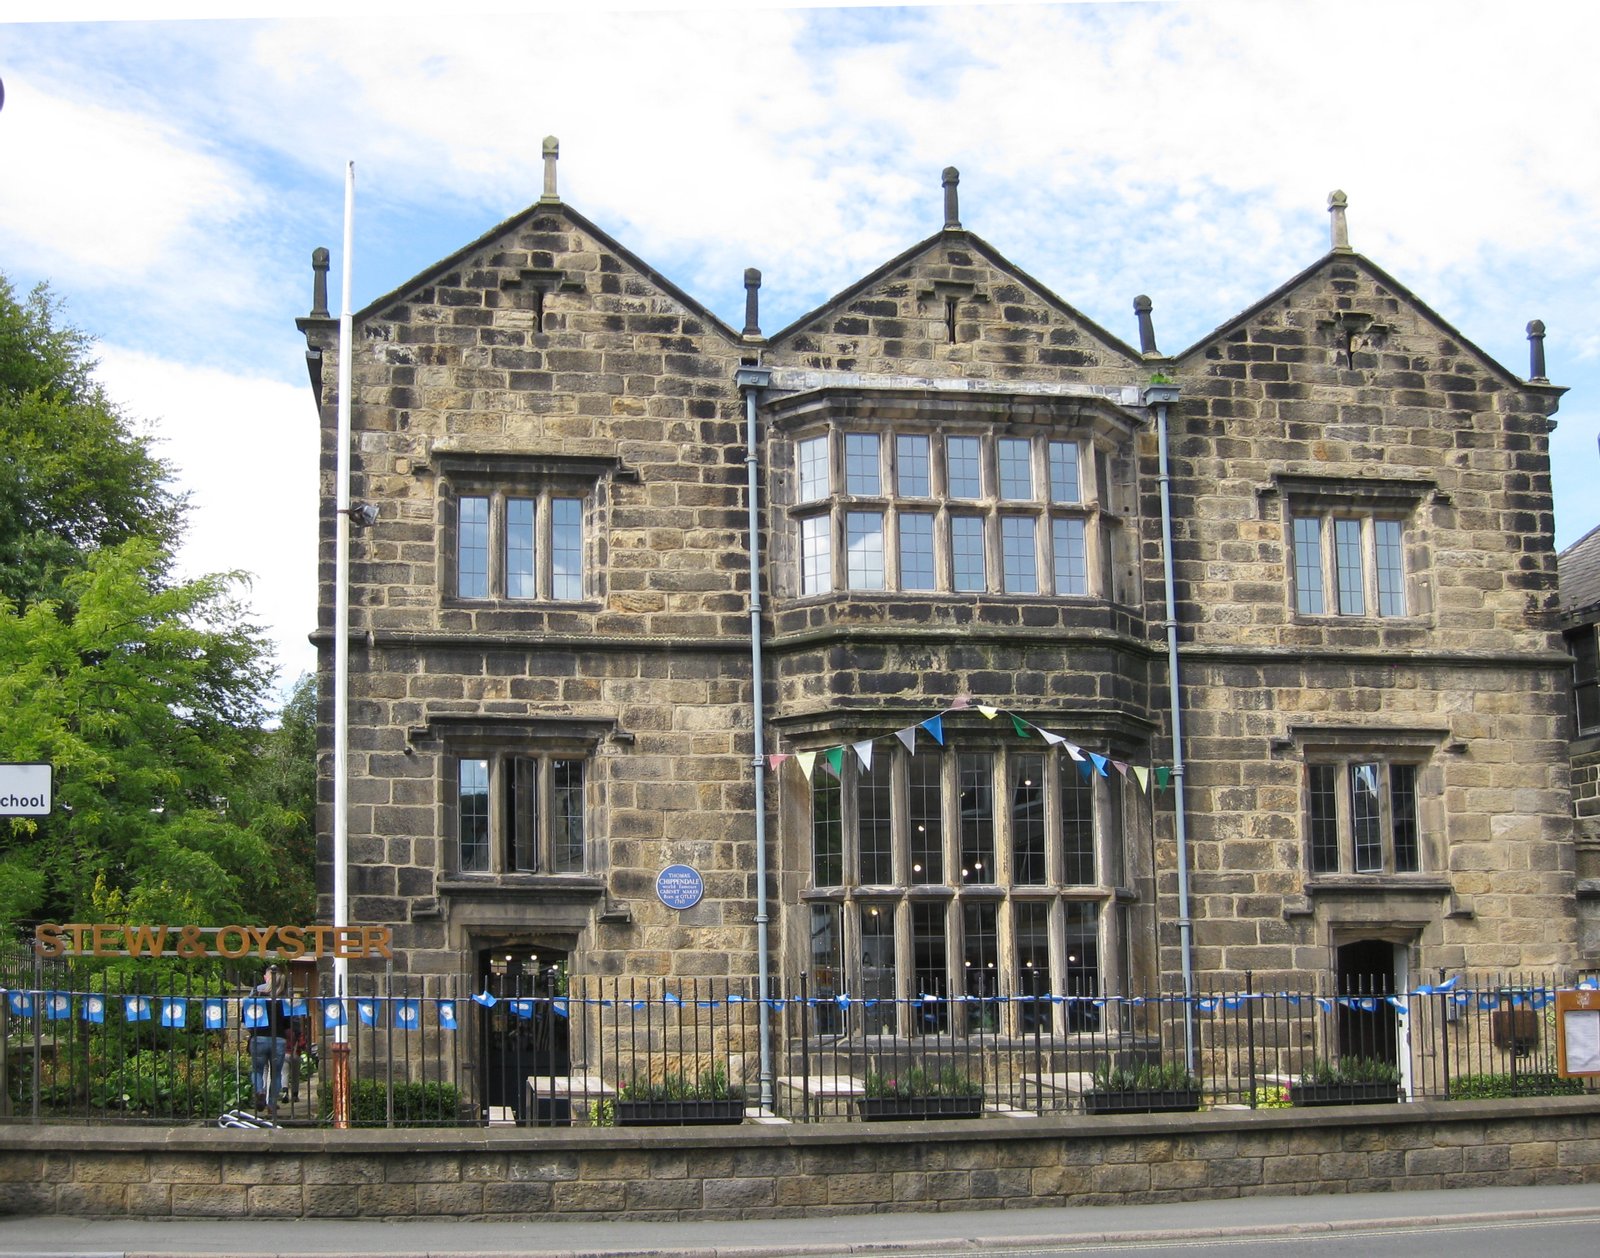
1273, 1096
1350, 1070
415, 1104
918, 1081
710, 1084
1146, 1076
1494, 1087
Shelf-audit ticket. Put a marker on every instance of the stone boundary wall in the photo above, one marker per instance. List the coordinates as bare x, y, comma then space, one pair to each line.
767, 1171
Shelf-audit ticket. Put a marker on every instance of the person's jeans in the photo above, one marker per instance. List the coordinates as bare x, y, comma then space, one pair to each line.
266, 1067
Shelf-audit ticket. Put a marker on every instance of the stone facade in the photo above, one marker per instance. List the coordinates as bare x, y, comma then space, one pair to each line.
960, 517
755, 1172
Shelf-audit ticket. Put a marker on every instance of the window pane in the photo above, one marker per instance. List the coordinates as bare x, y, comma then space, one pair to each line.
827, 831
1019, 555
1403, 817
1083, 962
962, 465
816, 561
1365, 823
827, 966
1031, 938
864, 550
1585, 649
980, 964
911, 467
916, 551
1064, 483
1077, 823
875, 822
472, 814
925, 816
930, 972
1015, 460
1323, 814
519, 548
966, 553
566, 816
521, 779
877, 968
566, 548
813, 459
861, 475
1110, 793
1072, 557
1027, 821
472, 549
1308, 567
1391, 568
975, 771
1347, 563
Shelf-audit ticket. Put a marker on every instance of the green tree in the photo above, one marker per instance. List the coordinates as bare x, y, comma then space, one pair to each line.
75, 476
278, 803
148, 700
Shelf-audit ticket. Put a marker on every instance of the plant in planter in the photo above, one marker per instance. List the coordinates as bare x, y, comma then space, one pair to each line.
673, 1100
1348, 1081
918, 1093
1146, 1088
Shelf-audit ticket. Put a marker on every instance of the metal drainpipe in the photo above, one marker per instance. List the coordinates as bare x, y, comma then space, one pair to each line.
1161, 396
752, 380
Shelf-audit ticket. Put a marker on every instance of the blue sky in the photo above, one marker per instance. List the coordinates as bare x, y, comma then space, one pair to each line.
170, 177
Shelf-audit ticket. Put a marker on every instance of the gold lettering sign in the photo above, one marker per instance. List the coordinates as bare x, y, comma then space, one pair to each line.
77, 939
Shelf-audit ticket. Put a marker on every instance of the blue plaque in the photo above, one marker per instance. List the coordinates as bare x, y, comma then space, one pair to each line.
680, 886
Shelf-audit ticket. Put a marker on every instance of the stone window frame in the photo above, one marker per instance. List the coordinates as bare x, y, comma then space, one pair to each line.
956, 900
503, 742
1344, 749
1584, 643
1330, 500
827, 565
501, 477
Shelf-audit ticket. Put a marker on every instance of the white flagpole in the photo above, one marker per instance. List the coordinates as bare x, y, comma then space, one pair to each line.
341, 670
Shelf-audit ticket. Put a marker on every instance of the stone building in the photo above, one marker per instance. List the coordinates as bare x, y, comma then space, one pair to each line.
1579, 567
966, 768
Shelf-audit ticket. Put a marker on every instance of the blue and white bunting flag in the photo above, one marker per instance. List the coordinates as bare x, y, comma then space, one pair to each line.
136, 1008
1399, 1003
407, 1014
1206, 1004
559, 1006
370, 1012
295, 1007
522, 1008
58, 1004
21, 1003
332, 1011
485, 999
174, 1011
216, 1013
1488, 1000
94, 1008
253, 1012
447, 1014
672, 999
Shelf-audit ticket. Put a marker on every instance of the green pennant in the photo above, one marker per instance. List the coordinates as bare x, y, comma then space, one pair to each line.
835, 758
1021, 726
1163, 777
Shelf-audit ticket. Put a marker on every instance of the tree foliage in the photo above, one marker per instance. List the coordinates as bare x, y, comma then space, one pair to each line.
173, 802
75, 477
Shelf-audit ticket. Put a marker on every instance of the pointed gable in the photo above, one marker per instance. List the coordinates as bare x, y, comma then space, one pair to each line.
953, 304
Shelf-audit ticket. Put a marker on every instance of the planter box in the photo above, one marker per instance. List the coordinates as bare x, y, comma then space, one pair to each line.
1142, 1101
1344, 1093
679, 1113
878, 1109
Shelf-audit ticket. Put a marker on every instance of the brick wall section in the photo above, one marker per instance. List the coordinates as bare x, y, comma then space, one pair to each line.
770, 1172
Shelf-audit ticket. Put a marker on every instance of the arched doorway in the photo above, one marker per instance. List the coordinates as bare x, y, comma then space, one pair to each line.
523, 1042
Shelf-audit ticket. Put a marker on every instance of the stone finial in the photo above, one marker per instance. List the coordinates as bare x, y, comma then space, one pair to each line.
752, 302
1339, 226
1536, 352
1147, 328
952, 204
319, 283
552, 154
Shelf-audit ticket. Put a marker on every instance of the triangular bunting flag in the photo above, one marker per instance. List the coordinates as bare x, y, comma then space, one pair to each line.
1142, 776
908, 736
863, 751
1054, 740
776, 759
1075, 751
1100, 763
834, 759
1163, 777
989, 712
807, 761
935, 727
1121, 766
1021, 726
1086, 768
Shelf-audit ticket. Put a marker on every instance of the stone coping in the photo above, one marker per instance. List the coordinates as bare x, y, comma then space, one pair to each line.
24, 1137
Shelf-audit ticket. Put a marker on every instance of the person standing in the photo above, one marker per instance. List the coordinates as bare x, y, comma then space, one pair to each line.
268, 1042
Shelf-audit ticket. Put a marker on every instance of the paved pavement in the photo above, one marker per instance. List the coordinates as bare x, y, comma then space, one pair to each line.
766, 1238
